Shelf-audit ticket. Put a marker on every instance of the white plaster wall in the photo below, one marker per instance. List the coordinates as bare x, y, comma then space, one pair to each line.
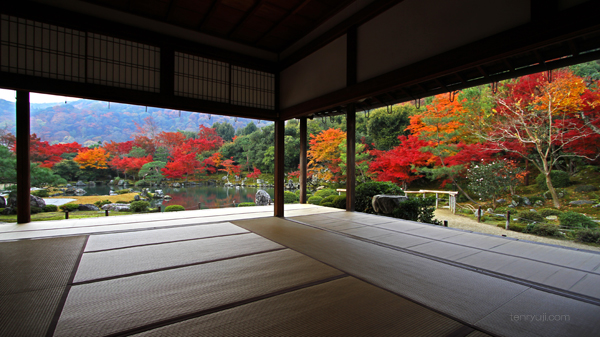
397, 38
319, 73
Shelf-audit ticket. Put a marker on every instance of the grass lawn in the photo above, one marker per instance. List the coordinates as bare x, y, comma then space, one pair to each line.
91, 199
46, 216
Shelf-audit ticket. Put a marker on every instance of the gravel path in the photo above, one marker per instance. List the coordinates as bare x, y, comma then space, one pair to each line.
465, 223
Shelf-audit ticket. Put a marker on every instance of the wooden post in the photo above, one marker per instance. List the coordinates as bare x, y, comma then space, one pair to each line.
303, 162
479, 214
436, 200
350, 157
279, 166
23, 169
507, 220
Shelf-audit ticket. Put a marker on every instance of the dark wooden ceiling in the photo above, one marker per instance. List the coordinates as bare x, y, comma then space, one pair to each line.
272, 25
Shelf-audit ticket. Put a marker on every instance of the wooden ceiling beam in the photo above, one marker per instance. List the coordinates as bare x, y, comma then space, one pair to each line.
284, 19
248, 14
209, 13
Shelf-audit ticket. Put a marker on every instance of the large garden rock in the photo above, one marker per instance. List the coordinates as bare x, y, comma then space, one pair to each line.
36, 201
176, 185
387, 203
80, 183
121, 182
91, 183
117, 207
2, 202
582, 202
159, 194
88, 207
262, 198
70, 190
79, 191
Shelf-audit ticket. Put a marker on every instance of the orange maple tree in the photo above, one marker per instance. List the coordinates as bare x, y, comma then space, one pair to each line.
324, 156
92, 158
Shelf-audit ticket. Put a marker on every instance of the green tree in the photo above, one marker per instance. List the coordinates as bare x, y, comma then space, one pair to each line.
151, 171
42, 177
8, 166
384, 127
137, 152
224, 130
68, 169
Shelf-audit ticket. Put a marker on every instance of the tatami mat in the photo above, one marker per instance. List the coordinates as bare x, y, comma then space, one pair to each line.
146, 237
103, 308
468, 296
106, 264
33, 278
345, 307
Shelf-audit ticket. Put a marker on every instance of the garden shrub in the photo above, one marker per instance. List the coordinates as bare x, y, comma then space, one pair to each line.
366, 191
50, 208
174, 208
289, 197
417, 209
324, 193
528, 216
545, 212
69, 207
329, 199
559, 191
588, 235
246, 204
326, 204
101, 203
139, 206
513, 227
314, 200
124, 191
572, 219
533, 200
297, 193
558, 178
41, 193
586, 188
340, 201
543, 229
124, 201
35, 210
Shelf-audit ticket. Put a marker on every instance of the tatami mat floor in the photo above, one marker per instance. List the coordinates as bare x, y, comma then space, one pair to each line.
317, 272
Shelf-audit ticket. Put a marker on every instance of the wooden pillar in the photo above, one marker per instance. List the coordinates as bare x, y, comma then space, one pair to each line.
350, 157
279, 161
23, 169
303, 161
351, 77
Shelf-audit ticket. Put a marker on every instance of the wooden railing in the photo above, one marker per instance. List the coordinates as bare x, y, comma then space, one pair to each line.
451, 197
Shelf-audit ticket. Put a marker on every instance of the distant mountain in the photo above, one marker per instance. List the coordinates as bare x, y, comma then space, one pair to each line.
87, 120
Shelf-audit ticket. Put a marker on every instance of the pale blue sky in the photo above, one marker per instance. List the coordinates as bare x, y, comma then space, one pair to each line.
9, 95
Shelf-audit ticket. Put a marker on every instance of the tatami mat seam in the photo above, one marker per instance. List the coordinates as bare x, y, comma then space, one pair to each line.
509, 278
466, 246
175, 267
501, 305
164, 242
223, 307
63, 299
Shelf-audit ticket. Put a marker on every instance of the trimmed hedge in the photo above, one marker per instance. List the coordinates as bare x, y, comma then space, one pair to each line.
329, 199
289, 197
588, 235
174, 208
576, 220
545, 212
340, 201
528, 216
366, 191
324, 193
35, 210
125, 191
50, 208
543, 229
558, 178
314, 200
101, 203
69, 207
586, 188
246, 204
40, 193
139, 206
417, 209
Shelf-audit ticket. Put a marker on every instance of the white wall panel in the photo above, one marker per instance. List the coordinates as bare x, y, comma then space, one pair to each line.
397, 38
320, 73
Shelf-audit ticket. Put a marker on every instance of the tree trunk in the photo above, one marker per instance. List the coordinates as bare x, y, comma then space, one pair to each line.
463, 192
555, 200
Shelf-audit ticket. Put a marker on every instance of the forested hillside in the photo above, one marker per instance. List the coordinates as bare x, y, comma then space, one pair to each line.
92, 121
